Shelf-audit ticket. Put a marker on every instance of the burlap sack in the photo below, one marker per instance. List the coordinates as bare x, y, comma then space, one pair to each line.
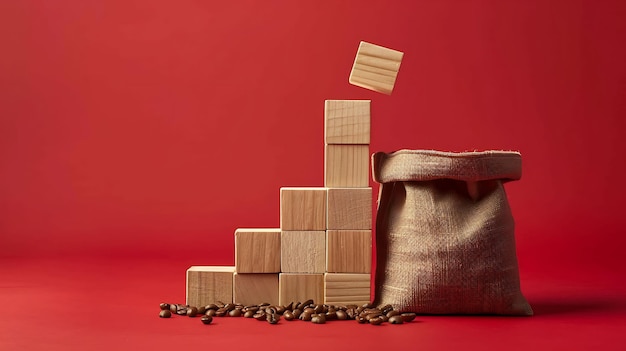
445, 233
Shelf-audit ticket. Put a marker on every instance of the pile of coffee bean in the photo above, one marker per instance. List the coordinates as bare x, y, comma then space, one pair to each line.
307, 311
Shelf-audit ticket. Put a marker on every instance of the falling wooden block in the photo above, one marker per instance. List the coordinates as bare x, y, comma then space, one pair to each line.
346, 289
255, 288
348, 251
347, 121
296, 287
303, 251
349, 208
375, 68
257, 250
303, 208
209, 284
347, 166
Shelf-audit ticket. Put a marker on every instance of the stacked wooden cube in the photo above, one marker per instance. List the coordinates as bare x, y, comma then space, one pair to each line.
323, 248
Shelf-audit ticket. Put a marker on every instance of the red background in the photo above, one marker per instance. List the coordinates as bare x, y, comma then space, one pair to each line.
135, 136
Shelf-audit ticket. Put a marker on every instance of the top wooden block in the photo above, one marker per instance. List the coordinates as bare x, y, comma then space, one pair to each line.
347, 121
375, 68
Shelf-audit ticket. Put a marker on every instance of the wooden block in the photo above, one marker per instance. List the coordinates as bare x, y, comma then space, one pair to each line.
303, 251
208, 284
303, 208
345, 289
348, 251
255, 288
347, 122
347, 166
375, 68
296, 287
349, 208
257, 250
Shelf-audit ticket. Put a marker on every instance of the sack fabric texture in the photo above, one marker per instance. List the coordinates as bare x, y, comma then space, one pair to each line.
445, 240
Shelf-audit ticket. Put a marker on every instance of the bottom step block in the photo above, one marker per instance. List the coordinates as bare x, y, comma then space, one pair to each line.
209, 284
255, 288
347, 288
299, 287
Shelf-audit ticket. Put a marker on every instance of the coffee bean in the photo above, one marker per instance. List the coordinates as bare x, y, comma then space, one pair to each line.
206, 319
408, 317
289, 316
211, 312
330, 315
397, 319
305, 316
392, 313
259, 316
272, 318
296, 313
318, 319
164, 306
202, 310
235, 313
385, 309
211, 307
192, 311
165, 314
376, 321
221, 312
367, 305
249, 314
173, 308
351, 313
310, 310
318, 309
361, 319
341, 315
220, 304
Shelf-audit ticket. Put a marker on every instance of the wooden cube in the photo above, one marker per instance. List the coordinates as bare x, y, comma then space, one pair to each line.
347, 122
257, 250
296, 287
348, 251
345, 289
255, 288
303, 251
208, 284
347, 166
375, 68
349, 208
303, 208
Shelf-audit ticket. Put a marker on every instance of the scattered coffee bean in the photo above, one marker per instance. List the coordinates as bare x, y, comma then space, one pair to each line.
397, 319
235, 313
341, 315
305, 311
192, 311
272, 318
165, 314
206, 319
249, 314
408, 317
376, 321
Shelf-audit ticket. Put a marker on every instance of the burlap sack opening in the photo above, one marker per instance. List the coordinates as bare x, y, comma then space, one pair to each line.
445, 233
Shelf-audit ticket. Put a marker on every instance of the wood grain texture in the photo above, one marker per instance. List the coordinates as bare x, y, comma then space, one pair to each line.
348, 251
349, 208
208, 284
376, 68
255, 288
257, 250
346, 166
345, 289
296, 287
303, 251
347, 121
303, 208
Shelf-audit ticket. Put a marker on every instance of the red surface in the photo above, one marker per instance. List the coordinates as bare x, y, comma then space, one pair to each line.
139, 130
